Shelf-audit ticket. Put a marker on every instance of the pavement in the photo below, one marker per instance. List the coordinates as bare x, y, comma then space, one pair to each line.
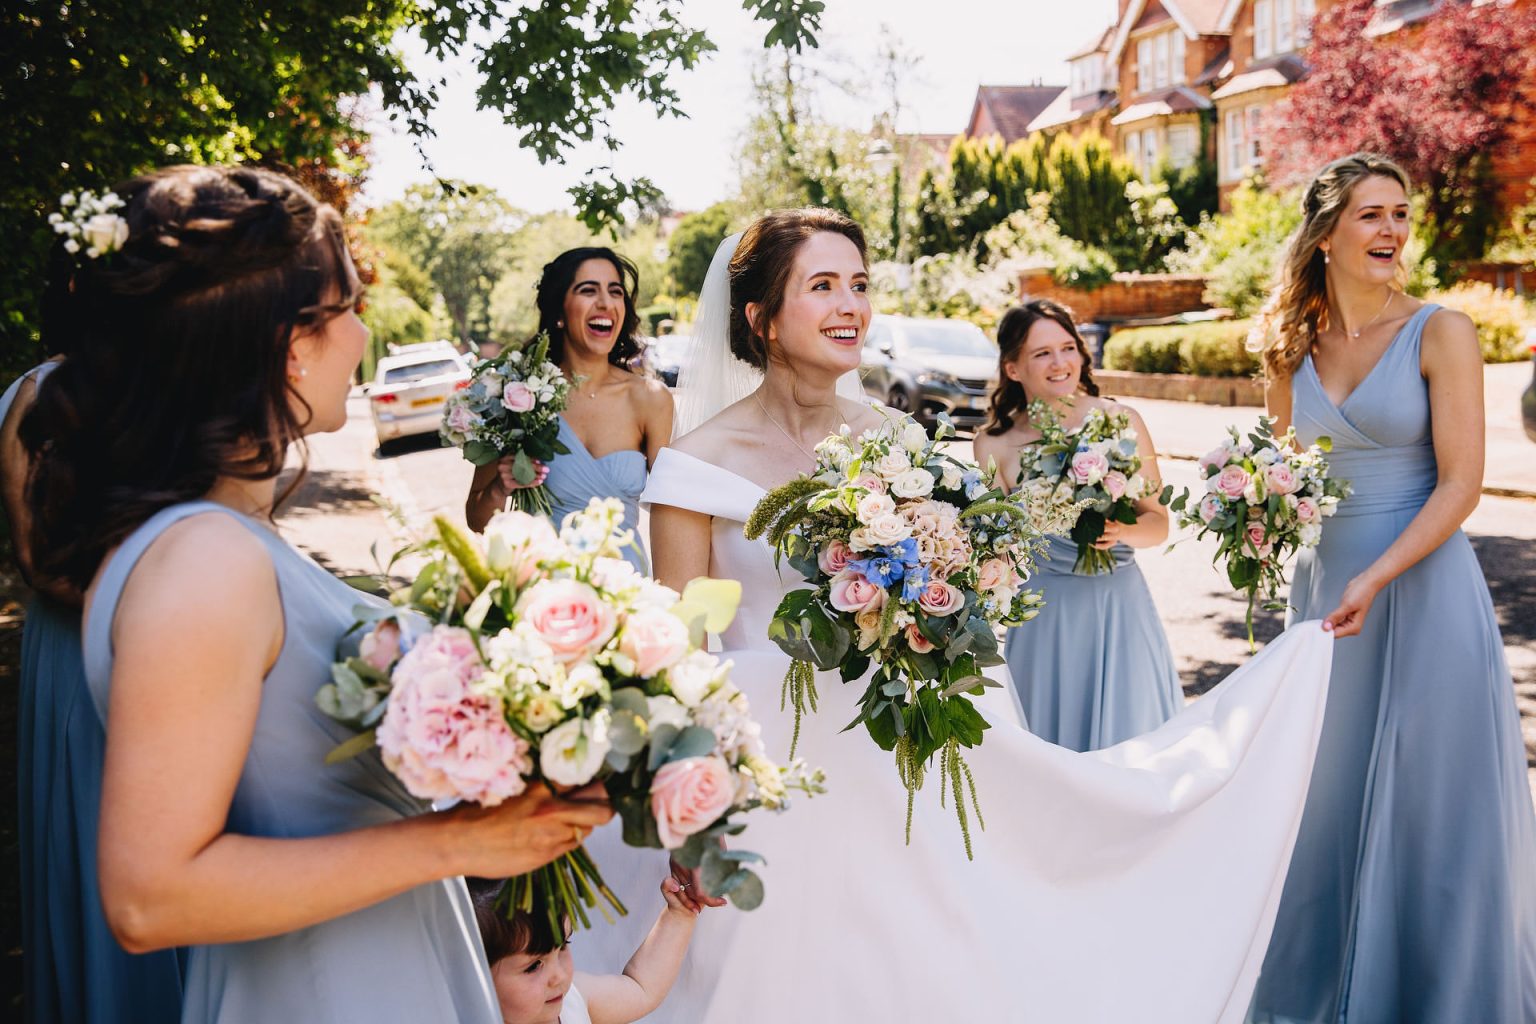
1187, 430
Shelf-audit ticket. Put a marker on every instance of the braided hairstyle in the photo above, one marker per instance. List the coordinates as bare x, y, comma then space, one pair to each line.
1009, 398
176, 354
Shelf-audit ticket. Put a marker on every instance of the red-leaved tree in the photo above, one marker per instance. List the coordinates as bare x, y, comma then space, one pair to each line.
1440, 98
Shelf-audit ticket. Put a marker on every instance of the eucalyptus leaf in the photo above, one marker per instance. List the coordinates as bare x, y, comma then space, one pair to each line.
747, 894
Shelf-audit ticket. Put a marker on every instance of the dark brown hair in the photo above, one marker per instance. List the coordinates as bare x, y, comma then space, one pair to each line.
176, 353
556, 279
1008, 398
523, 932
760, 271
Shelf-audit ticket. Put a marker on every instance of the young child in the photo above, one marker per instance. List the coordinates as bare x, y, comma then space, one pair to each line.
536, 984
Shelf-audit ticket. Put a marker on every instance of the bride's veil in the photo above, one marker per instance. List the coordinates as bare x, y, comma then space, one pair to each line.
712, 378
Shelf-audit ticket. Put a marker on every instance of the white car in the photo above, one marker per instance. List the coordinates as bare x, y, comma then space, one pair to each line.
410, 386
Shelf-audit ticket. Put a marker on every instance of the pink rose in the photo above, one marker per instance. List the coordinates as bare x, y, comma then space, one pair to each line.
381, 645
654, 639
871, 483
461, 419
1280, 478
1115, 484
834, 558
517, 396
939, 598
1211, 506
1307, 511
569, 616
688, 796
915, 640
442, 740
1215, 458
993, 574
1258, 539
853, 593
1232, 481
1088, 467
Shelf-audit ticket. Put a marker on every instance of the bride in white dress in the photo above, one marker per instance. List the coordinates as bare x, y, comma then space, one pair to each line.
1134, 883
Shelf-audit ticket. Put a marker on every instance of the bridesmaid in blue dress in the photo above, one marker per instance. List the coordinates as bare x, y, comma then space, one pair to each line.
1412, 890
616, 420
221, 331
74, 971
1094, 667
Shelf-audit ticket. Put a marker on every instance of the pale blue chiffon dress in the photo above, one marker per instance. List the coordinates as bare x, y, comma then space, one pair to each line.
1412, 890
1093, 668
74, 970
415, 957
576, 478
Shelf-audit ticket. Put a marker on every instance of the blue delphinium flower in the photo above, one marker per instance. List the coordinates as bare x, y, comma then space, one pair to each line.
881, 570
913, 583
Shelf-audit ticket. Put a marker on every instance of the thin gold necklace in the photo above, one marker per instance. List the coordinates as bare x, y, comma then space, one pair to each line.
788, 436
1391, 293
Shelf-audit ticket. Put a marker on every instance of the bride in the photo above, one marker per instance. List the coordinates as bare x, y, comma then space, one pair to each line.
1138, 882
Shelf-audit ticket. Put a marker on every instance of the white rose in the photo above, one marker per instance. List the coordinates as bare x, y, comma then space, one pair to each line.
914, 438
892, 464
541, 711
106, 231
1309, 534
952, 477
914, 483
873, 506
571, 753
666, 710
1136, 487
1265, 456
888, 529
692, 678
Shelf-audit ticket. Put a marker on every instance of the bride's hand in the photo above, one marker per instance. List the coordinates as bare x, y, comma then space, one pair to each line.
509, 482
693, 895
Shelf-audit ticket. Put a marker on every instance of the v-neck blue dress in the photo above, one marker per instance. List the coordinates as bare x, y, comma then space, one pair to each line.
576, 478
1412, 889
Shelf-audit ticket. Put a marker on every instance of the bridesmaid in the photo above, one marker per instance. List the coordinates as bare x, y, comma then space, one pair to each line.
1094, 668
616, 420
1412, 888
75, 971
223, 330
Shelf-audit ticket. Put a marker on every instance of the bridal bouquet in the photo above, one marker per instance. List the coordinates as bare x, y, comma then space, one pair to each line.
911, 563
532, 657
1095, 469
1264, 499
511, 407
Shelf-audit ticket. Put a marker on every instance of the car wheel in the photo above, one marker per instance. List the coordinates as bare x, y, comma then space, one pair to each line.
899, 400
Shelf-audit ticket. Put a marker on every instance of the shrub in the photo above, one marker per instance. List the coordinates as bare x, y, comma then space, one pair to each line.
1237, 250
1501, 316
1213, 349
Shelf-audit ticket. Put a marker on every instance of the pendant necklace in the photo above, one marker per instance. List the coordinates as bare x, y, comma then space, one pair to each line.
1356, 334
787, 435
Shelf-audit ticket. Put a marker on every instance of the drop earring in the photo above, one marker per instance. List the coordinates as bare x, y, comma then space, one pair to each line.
1326, 260
294, 378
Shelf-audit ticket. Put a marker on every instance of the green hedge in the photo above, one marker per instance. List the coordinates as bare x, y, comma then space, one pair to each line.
1214, 349
1501, 316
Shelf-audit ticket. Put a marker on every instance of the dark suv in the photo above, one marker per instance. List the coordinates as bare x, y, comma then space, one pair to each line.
928, 367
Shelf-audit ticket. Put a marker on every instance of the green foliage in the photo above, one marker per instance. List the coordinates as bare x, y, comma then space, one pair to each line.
1501, 316
1029, 237
1210, 349
693, 243
1088, 197
395, 318
1237, 251
1516, 240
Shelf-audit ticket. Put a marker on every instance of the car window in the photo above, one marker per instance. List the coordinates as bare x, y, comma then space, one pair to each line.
939, 338
421, 371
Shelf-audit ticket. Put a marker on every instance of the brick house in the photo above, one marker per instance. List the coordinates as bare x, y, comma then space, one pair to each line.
1165, 54
1088, 102
1007, 110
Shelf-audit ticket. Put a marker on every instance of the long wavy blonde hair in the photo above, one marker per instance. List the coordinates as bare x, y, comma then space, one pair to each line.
1297, 308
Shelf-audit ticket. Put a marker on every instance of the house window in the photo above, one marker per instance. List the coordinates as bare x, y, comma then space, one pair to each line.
1263, 23
1133, 148
1306, 10
1149, 152
1160, 52
1236, 146
1144, 65
1285, 26
1182, 140
1254, 114
1176, 57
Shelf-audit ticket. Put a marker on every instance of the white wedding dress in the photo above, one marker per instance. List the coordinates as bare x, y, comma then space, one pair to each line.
1137, 883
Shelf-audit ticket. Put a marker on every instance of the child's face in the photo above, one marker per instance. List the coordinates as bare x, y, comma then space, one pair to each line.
531, 989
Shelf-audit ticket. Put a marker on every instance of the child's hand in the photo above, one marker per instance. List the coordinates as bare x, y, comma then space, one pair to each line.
677, 898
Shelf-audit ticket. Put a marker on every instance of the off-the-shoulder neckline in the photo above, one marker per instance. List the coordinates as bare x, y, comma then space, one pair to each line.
719, 469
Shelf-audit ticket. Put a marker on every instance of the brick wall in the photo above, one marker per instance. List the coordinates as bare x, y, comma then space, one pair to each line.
1126, 297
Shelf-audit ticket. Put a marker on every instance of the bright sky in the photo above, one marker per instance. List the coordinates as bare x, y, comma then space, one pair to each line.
972, 42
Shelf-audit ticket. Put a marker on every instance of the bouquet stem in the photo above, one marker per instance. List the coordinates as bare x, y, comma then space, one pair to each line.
1092, 561
563, 890
532, 500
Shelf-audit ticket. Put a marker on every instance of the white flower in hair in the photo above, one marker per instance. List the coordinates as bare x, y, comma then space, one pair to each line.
92, 220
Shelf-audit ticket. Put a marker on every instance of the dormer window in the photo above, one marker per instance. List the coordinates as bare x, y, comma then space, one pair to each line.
1087, 74
1281, 26
1160, 60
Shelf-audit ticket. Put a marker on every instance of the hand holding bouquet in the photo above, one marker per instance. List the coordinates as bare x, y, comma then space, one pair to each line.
1264, 499
911, 564
512, 408
1094, 472
530, 657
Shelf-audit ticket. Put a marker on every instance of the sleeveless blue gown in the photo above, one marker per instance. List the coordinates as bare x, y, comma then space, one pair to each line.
576, 478
414, 957
1412, 890
74, 970
1093, 668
